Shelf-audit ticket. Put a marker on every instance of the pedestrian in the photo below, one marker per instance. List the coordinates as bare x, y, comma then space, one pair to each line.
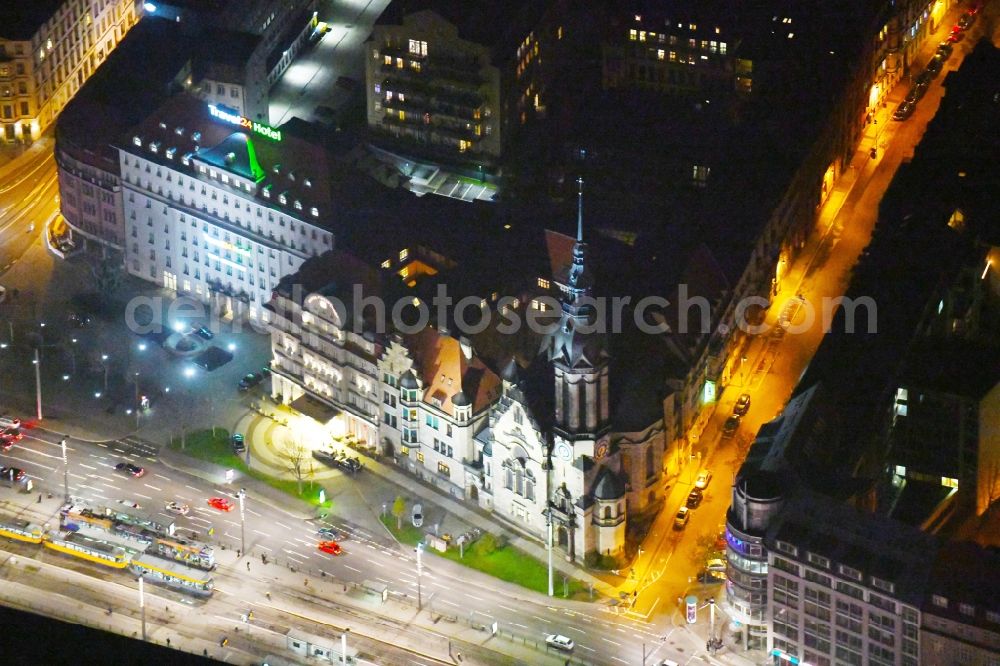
168, 642
248, 565
238, 553
268, 595
263, 558
306, 582
39, 498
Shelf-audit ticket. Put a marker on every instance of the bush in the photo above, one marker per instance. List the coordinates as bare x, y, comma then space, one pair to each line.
592, 560
487, 545
608, 562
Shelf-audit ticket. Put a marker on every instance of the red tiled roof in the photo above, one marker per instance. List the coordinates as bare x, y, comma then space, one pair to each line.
444, 371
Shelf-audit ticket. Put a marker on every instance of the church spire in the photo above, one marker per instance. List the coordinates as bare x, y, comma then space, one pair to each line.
579, 210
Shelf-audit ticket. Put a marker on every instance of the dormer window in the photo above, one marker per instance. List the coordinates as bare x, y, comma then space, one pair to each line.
291, 176
186, 159
276, 168
282, 199
314, 211
137, 141
307, 182
163, 125
298, 205
267, 192
179, 131
154, 147
170, 153
196, 136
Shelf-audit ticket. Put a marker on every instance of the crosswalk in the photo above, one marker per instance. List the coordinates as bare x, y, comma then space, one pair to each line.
136, 446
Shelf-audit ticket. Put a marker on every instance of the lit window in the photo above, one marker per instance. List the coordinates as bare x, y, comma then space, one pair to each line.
692, 26
399, 63
543, 283
403, 254
314, 211
660, 54
387, 60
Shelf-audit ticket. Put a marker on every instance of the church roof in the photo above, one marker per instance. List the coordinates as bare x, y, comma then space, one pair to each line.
608, 486
235, 154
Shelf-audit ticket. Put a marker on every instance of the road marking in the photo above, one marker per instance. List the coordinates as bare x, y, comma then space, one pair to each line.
382, 580
541, 619
586, 648
618, 659
265, 534
608, 640
197, 490
507, 609
576, 628
78, 476
348, 566
472, 597
518, 625
143, 496
252, 512
159, 490
450, 603
282, 525
621, 630
87, 466
101, 444
103, 483
160, 476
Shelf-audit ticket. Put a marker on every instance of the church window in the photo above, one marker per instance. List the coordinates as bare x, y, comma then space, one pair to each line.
529, 490
519, 481
650, 463
607, 513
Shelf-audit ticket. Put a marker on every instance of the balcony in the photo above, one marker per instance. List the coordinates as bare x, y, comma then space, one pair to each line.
614, 521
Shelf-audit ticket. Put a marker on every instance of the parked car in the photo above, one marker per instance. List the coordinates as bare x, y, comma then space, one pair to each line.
178, 508
935, 64
716, 565
742, 405
250, 380
330, 547
417, 516
917, 91
730, 427
694, 499
682, 518
130, 469
325, 457
11, 473
706, 577
945, 48
239, 445
10, 436
350, 465
904, 110
559, 642
204, 332
704, 478
966, 21
956, 36
221, 503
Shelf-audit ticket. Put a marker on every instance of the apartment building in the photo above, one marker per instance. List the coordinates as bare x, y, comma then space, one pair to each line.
48, 49
449, 84
219, 207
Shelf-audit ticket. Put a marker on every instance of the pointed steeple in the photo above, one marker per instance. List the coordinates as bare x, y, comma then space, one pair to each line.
579, 210
579, 279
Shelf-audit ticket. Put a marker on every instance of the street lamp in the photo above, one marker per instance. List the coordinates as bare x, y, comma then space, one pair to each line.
104, 362
420, 570
548, 526
137, 410
343, 645
243, 525
62, 443
38, 385
142, 607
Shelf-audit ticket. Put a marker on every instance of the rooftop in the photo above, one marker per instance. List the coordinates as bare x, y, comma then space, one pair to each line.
965, 573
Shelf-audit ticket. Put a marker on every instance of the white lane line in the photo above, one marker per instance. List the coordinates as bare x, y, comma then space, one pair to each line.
109, 485
264, 534
77, 476
282, 525
541, 619
576, 629
160, 476
348, 566
252, 512
260, 545
233, 523
618, 659
87, 466
143, 496
159, 490
473, 597
376, 563
586, 648
197, 490
382, 580
511, 610
518, 625
102, 444
32, 462
608, 640
450, 603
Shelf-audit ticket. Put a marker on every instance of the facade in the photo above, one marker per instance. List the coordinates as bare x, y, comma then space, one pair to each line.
459, 89
217, 211
322, 364
230, 73
961, 613
48, 49
845, 587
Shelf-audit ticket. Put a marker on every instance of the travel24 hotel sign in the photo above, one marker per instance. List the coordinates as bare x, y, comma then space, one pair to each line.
230, 116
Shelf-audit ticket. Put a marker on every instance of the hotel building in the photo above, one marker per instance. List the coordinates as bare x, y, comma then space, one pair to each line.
219, 207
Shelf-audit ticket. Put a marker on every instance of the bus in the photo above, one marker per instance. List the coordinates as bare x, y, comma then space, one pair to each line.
20, 530
172, 574
87, 548
191, 553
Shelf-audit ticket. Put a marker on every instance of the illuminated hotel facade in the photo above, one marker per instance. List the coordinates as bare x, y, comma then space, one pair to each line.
218, 207
47, 51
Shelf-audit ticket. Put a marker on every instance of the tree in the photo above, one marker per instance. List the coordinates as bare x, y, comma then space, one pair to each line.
398, 509
294, 454
487, 545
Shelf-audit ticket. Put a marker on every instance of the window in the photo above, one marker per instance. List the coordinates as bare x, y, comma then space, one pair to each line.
432, 421
420, 457
418, 48
699, 175
543, 283
443, 469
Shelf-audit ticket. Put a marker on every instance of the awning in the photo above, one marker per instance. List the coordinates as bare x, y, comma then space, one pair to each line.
315, 409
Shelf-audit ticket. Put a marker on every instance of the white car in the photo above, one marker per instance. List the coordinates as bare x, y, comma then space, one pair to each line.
704, 477
178, 508
559, 642
716, 565
418, 515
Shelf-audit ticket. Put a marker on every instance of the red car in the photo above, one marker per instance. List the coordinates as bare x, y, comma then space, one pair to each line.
9, 437
955, 37
220, 503
331, 547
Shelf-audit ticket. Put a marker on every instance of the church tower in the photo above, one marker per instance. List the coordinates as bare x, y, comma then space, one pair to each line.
578, 352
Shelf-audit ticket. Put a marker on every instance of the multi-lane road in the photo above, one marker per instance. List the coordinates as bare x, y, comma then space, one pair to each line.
288, 538
28, 198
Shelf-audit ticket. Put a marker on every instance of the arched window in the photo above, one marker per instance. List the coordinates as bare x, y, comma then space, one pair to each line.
519, 480
650, 463
607, 513
508, 478
518, 416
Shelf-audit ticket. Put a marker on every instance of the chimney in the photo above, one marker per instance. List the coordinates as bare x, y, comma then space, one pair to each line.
466, 345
